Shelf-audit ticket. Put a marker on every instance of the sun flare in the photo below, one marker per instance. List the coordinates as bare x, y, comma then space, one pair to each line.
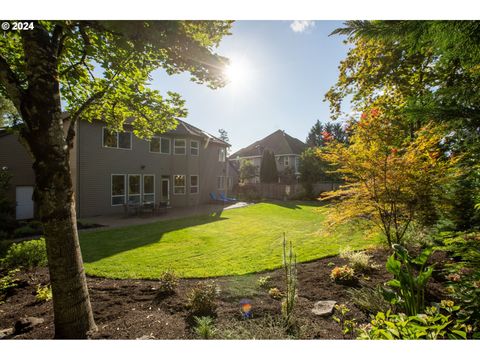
237, 72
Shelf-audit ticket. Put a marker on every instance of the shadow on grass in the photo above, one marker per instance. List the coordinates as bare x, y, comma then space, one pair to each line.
105, 243
293, 204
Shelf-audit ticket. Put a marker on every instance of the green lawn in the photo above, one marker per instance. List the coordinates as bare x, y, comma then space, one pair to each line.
236, 242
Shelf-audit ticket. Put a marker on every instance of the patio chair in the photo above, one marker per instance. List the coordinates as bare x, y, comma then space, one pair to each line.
214, 199
162, 207
229, 199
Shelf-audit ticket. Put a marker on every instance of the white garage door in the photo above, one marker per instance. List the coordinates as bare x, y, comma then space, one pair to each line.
24, 209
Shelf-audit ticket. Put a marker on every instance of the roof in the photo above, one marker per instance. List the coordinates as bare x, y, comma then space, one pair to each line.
278, 142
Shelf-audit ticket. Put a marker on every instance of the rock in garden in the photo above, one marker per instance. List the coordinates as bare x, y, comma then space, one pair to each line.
146, 337
27, 324
324, 307
5, 333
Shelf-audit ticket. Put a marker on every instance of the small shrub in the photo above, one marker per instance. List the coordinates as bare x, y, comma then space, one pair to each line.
344, 274
263, 281
202, 298
168, 282
44, 293
359, 261
330, 264
204, 328
370, 300
275, 293
7, 283
24, 231
26, 254
347, 324
291, 283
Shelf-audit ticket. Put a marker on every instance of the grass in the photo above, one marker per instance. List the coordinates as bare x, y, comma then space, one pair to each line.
236, 242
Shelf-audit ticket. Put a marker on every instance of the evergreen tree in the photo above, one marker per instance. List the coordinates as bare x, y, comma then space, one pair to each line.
268, 168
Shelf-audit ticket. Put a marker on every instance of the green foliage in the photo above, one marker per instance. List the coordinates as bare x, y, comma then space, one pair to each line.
27, 254
168, 282
8, 113
370, 300
248, 171
314, 169
263, 281
268, 168
410, 279
291, 282
275, 293
343, 274
320, 134
438, 322
202, 298
7, 283
347, 324
464, 277
43, 293
359, 261
205, 328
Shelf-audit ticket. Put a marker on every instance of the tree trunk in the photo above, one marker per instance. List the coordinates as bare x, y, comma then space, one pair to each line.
44, 136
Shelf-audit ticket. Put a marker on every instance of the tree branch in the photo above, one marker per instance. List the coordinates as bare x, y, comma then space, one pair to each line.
11, 84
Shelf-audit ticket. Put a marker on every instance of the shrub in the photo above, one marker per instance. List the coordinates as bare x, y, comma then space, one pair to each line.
408, 283
347, 324
370, 300
43, 293
202, 299
437, 323
290, 269
26, 254
263, 281
344, 274
204, 328
168, 282
275, 293
24, 231
7, 283
359, 261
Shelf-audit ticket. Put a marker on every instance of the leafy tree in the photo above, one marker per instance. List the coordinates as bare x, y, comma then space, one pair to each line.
55, 68
314, 169
8, 113
287, 176
223, 135
268, 168
248, 171
388, 180
320, 134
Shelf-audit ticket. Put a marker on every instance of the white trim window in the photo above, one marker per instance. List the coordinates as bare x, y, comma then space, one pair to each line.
221, 154
134, 189
179, 184
116, 140
194, 184
194, 147
220, 182
160, 145
118, 189
148, 186
286, 161
179, 147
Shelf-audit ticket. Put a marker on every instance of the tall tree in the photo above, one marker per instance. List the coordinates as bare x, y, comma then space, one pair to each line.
8, 113
320, 133
268, 168
223, 135
58, 62
248, 171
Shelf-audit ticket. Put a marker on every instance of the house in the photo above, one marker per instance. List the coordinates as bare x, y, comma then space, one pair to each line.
109, 169
287, 151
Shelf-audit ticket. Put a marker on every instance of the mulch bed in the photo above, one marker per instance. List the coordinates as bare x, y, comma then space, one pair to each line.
132, 309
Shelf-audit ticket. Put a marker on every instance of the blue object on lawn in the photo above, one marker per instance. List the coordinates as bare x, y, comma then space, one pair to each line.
214, 198
224, 198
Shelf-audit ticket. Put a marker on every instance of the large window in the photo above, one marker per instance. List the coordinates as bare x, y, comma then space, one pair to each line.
114, 139
220, 182
221, 154
193, 184
179, 184
148, 188
194, 147
118, 190
179, 146
134, 189
160, 145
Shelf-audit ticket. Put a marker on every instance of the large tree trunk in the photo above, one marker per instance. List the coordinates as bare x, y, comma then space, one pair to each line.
44, 135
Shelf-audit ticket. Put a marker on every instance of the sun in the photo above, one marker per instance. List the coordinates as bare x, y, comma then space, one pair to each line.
237, 73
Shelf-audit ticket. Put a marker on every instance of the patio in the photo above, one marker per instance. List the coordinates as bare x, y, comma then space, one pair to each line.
121, 220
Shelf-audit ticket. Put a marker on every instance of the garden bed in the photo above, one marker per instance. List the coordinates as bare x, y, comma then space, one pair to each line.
131, 309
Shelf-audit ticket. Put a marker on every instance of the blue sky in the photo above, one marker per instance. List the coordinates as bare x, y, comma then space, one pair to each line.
285, 76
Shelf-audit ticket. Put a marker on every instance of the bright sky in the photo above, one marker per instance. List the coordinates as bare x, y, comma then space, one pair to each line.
280, 73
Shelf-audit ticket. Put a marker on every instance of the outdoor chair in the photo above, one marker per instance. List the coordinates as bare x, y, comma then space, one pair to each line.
214, 199
229, 199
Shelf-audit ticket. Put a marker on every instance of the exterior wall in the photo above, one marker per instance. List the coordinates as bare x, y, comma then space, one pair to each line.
16, 158
293, 162
96, 164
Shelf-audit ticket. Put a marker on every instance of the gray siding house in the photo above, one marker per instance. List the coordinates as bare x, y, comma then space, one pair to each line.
109, 169
287, 151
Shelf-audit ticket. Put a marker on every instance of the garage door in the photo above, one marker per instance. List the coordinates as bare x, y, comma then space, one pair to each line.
24, 209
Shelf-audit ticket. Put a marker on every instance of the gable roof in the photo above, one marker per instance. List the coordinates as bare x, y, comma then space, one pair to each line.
278, 142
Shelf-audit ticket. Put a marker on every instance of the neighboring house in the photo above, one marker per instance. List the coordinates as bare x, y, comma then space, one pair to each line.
180, 167
286, 148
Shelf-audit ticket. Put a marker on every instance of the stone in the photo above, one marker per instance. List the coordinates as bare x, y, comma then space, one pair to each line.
323, 307
146, 337
6, 333
27, 324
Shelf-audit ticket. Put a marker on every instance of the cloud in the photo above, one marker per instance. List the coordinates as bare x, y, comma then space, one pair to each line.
300, 26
